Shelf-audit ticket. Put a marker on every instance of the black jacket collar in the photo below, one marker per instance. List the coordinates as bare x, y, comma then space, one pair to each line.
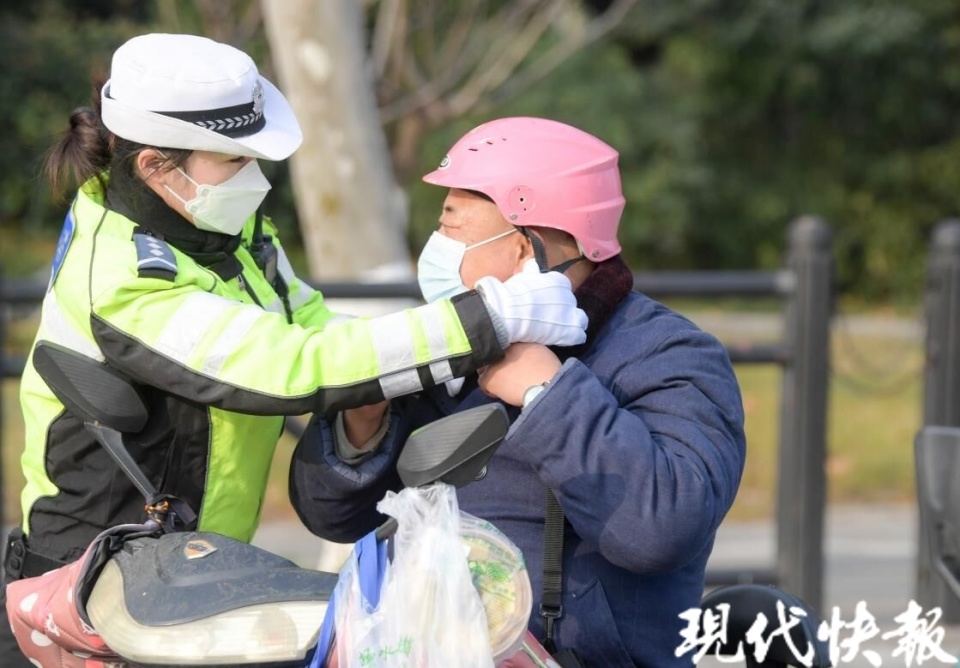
600, 295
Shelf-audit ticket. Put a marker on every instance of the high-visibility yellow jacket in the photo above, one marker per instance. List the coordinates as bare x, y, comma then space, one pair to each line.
218, 362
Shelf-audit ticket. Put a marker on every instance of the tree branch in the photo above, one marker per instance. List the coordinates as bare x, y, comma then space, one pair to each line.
480, 62
511, 51
541, 67
425, 92
384, 32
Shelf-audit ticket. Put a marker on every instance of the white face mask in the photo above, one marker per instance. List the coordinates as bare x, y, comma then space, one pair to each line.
225, 207
438, 269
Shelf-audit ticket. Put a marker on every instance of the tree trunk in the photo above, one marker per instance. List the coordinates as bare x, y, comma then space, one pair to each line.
352, 214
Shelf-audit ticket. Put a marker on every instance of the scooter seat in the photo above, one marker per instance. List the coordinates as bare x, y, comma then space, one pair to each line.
182, 577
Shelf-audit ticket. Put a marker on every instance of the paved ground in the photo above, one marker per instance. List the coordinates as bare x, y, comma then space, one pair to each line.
870, 557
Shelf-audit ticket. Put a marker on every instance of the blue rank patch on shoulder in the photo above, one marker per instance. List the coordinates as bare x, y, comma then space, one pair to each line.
63, 245
155, 258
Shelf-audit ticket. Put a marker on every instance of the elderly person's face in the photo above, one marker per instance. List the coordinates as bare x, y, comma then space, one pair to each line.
472, 219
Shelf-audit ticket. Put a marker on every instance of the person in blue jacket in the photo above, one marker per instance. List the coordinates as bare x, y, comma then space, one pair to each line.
638, 433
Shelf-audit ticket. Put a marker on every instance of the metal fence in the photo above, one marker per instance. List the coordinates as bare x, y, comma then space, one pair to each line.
805, 287
941, 387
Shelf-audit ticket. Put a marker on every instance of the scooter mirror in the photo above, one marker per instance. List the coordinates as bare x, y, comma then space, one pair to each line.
92, 391
453, 449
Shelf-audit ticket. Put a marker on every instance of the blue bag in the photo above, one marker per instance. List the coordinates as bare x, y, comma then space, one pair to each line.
372, 560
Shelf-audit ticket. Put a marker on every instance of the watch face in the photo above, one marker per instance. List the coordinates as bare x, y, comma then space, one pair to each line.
531, 393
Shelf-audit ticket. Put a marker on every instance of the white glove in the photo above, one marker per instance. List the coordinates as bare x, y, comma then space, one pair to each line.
534, 308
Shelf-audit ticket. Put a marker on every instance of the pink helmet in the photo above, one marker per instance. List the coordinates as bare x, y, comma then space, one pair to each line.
542, 173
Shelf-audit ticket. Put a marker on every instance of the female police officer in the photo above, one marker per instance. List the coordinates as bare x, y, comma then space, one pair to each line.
163, 271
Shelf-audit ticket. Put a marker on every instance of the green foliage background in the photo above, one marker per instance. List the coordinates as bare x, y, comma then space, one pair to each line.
732, 118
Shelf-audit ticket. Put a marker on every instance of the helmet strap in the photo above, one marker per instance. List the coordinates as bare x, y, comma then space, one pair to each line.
540, 254
539, 251
566, 264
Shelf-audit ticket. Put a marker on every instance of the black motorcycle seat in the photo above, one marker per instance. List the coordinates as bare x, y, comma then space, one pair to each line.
182, 577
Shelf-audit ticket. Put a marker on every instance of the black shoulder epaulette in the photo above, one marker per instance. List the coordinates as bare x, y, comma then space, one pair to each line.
155, 258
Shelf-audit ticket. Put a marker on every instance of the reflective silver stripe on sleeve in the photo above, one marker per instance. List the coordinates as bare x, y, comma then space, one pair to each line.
393, 342
433, 330
400, 383
441, 371
55, 328
304, 292
230, 340
436, 342
189, 323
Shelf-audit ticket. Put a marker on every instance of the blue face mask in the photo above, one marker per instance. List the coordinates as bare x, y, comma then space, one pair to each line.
438, 269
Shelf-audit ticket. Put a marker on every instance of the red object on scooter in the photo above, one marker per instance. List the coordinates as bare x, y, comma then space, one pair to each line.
45, 620
530, 655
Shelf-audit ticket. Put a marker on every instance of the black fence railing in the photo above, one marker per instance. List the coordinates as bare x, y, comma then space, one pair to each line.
941, 394
805, 288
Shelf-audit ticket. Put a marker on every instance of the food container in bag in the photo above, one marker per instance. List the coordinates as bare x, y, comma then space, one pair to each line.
500, 576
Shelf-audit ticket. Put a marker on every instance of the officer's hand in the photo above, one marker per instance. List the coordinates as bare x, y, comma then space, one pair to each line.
535, 307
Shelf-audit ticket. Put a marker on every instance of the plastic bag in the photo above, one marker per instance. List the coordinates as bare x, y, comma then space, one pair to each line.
429, 614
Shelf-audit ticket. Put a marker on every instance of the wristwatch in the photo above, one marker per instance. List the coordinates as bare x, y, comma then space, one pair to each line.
531, 393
